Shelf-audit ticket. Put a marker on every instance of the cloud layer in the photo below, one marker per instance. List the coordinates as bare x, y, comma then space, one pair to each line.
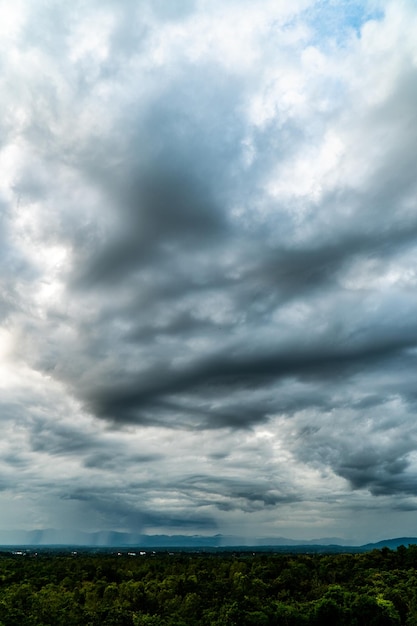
208, 266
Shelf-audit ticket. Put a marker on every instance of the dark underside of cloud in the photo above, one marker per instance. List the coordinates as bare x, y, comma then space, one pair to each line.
225, 374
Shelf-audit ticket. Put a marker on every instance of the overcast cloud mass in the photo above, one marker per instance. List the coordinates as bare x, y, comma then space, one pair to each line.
208, 267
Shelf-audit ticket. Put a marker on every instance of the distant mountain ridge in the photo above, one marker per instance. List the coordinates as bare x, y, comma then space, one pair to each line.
51, 537
393, 544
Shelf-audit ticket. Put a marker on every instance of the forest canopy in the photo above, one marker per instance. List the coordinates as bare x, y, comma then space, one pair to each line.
377, 588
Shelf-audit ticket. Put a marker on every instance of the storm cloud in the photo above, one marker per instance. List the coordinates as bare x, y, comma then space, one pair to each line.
208, 230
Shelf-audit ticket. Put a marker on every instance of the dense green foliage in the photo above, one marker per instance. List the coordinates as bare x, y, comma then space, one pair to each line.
378, 588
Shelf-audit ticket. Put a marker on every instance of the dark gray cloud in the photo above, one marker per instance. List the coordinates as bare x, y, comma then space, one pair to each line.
208, 266
225, 373
165, 211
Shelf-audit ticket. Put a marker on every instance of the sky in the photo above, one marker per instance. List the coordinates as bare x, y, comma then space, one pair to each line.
208, 267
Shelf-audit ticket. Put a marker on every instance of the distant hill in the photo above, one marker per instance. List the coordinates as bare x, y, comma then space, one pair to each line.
390, 543
51, 537
123, 539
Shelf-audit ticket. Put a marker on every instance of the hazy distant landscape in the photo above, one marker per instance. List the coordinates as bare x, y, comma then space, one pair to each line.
111, 538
